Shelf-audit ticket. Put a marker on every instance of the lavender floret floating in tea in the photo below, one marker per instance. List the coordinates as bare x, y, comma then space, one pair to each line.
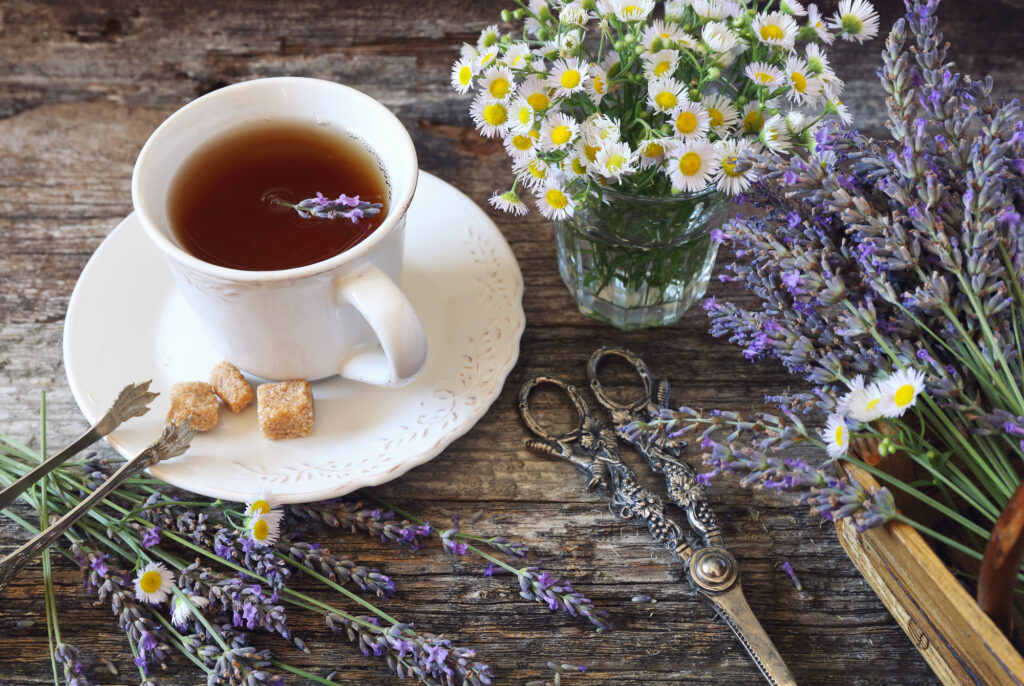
322, 207
891, 278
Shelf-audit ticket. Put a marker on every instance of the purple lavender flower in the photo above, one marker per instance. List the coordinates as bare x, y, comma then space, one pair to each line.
322, 207
788, 569
151, 537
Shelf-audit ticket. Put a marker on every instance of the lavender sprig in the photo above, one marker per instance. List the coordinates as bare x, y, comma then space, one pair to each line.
355, 516
322, 207
72, 670
320, 559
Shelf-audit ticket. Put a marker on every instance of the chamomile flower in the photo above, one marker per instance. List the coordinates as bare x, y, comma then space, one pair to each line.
262, 503
753, 118
575, 166
153, 583
521, 116
662, 34
264, 528
675, 10
775, 29
665, 94
855, 20
694, 165
804, 87
732, 181
661, 63
764, 74
837, 436
817, 22
834, 106
900, 391
487, 57
568, 42
520, 145
793, 7
716, 9
796, 122
626, 10
490, 116
651, 153
719, 37
182, 611
817, 60
862, 403
537, 93
690, 121
775, 135
568, 76
489, 38
598, 129
553, 202
722, 115
831, 85
597, 86
498, 82
534, 171
509, 201
574, 14
463, 72
615, 160
517, 56
558, 131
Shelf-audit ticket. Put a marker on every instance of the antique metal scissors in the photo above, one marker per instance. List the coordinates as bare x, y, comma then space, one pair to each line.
593, 448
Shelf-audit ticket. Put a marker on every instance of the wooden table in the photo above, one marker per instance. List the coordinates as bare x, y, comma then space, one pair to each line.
80, 90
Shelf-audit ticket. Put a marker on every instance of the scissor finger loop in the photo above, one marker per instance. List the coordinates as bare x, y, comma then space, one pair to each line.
534, 425
636, 407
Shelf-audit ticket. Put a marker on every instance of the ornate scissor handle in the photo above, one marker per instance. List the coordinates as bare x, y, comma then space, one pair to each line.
635, 407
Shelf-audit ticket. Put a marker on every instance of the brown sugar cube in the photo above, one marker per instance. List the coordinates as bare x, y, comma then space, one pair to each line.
285, 409
194, 400
231, 386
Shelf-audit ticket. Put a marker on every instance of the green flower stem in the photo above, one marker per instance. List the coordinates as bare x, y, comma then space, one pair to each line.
337, 587
304, 674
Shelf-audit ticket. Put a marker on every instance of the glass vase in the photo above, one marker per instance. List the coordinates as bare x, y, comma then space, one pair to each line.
637, 261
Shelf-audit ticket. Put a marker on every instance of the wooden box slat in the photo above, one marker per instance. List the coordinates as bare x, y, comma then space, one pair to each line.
957, 639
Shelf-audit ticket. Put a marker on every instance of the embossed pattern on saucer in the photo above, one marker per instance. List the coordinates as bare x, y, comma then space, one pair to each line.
126, 322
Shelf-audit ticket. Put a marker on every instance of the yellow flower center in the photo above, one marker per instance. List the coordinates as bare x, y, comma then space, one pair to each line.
487, 58
715, 116
662, 67
763, 77
538, 101
534, 133
260, 530
525, 115
561, 134
495, 114
591, 152
500, 87
259, 507
538, 171
631, 11
654, 150
904, 394
729, 166
465, 75
578, 166
799, 81
614, 162
521, 142
666, 100
772, 32
686, 122
151, 581
873, 404
689, 164
556, 198
598, 85
753, 121
570, 79
840, 435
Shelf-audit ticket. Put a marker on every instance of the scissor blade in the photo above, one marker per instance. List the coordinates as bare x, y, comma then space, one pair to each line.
732, 607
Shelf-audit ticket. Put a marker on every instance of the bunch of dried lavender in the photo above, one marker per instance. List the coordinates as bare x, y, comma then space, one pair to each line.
894, 258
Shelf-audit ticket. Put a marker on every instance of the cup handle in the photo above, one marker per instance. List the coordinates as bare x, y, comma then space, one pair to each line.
393, 320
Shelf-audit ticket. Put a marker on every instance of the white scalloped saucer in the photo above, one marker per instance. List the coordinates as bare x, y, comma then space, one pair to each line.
127, 323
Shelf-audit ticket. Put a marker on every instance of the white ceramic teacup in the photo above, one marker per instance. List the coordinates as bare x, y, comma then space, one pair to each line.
345, 315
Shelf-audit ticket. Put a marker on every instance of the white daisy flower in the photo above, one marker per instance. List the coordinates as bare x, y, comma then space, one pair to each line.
900, 391
716, 9
575, 166
817, 22
463, 72
490, 116
574, 14
663, 34
793, 7
855, 20
568, 42
626, 10
653, 152
153, 583
264, 528
519, 145
521, 116
694, 165
536, 93
182, 611
553, 202
487, 58
731, 181
722, 114
690, 121
753, 118
862, 403
795, 122
835, 106
615, 160
517, 56
765, 74
675, 9
837, 436
568, 76
509, 201
775, 28
775, 135
597, 85
831, 85
489, 38
817, 60
263, 502
498, 82
661, 63
558, 131
537, 8
665, 94
719, 37
533, 171
804, 88
469, 52
598, 129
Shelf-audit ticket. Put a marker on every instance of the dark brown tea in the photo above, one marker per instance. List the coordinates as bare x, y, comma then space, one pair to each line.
223, 202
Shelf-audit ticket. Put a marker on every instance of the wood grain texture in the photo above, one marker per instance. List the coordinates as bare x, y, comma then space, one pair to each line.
82, 86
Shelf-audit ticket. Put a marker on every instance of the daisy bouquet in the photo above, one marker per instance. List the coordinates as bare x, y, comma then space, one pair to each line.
891, 279
598, 103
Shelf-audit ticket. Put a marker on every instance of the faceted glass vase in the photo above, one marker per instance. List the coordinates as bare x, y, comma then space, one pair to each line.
638, 261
